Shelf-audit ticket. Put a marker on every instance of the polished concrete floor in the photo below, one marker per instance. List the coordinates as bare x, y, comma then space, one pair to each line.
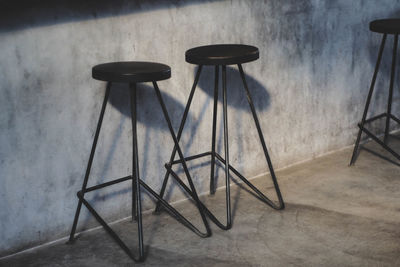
335, 215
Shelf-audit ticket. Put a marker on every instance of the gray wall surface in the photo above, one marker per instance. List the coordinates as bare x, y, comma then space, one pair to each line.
310, 85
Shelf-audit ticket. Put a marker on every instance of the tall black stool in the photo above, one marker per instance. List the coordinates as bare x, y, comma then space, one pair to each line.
385, 26
222, 55
132, 73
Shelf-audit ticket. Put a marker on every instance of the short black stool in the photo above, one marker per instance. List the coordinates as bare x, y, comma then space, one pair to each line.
385, 26
132, 73
222, 55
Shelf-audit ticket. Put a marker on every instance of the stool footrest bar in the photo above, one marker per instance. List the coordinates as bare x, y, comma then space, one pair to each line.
192, 157
376, 117
382, 116
376, 139
116, 181
395, 118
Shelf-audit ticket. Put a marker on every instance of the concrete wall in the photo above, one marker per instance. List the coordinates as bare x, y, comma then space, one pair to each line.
310, 85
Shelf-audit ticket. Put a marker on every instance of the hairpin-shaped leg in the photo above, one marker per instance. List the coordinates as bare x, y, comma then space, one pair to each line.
264, 146
392, 74
371, 90
182, 125
191, 185
89, 165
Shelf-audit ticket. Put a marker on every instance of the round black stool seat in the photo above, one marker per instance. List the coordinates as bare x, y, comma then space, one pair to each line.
388, 26
131, 72
222, 54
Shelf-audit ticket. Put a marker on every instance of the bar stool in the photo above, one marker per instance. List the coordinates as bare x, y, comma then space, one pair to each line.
222, 55
385, 26
132, 73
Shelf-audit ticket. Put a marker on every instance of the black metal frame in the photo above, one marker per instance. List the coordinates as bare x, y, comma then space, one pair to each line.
215, 155
137, 182
388, 114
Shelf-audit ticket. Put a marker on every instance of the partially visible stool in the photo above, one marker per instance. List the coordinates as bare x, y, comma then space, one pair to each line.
132, 73
222, 55
385, 26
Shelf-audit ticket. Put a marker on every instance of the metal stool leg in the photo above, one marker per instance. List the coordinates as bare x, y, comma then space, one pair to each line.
371, 90
214, 130
135, 177
214, 155
169, 165
226, 145
264, 146
185, 113
89, 165
192, 188
134, 205
136, 191
392, 74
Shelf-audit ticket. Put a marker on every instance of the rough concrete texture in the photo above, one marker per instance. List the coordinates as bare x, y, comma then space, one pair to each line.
335, 216
310, 85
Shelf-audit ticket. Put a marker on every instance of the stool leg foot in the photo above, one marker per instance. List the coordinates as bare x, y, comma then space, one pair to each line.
89, 165
75, 223
371, 90
261, 136
214, 130
226, 145
392, 75
192, 187
185, 113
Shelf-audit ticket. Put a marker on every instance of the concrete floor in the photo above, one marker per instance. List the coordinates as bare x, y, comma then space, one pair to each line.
335, 216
